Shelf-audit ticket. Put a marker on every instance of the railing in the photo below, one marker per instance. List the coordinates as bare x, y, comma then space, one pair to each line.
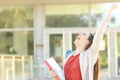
16, 67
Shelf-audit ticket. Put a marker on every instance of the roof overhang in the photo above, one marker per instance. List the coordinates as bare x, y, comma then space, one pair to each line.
17, 2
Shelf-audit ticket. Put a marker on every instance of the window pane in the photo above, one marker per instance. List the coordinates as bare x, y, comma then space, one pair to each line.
74, 36
67, 15
16, 17
18, 43
56, 48
99, 11
118, 51
116, 17
104, 58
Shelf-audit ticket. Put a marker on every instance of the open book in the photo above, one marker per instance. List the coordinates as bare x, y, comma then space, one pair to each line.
52, 64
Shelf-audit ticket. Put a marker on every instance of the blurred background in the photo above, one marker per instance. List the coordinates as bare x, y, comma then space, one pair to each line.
34, 30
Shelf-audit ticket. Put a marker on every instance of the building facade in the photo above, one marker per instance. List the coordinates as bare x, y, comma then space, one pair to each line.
34, 30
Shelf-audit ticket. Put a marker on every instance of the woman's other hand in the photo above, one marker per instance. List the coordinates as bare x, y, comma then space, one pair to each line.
54, 74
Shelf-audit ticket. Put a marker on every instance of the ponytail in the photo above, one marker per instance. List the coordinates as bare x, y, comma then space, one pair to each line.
96, 74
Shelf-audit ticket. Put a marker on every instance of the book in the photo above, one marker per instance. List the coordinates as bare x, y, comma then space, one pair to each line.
52, 65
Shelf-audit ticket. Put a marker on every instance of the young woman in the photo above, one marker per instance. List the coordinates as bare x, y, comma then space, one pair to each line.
82, 63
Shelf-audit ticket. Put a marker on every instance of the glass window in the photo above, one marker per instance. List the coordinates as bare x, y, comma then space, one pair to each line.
74, 36
118, 51
104, 58
16, 17
18, 43
67, 15
116, 17
56, 48
98, 12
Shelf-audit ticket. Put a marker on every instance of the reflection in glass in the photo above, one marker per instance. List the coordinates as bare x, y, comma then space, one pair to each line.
56, 48
16, 17
17, 43
67, 15
98, 12
118, 51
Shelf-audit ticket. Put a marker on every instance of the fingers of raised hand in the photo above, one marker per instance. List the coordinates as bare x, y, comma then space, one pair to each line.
114, 6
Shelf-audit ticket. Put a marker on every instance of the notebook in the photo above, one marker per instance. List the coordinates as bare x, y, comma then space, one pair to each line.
52, 64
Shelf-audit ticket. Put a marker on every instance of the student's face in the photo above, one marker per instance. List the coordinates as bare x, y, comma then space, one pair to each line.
82, 39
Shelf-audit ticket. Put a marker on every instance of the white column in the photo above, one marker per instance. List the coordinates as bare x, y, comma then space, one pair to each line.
112, 54
39, 24
67, 37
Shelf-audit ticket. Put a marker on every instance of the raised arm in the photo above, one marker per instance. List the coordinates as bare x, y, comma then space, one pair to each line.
101, 30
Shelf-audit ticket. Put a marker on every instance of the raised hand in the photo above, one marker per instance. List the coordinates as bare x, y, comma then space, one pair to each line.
113, 7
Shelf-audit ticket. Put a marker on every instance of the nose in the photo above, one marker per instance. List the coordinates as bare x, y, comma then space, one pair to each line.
79, 36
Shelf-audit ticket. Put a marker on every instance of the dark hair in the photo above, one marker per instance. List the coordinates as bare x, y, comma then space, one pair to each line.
97, 64
96, 74
90, 38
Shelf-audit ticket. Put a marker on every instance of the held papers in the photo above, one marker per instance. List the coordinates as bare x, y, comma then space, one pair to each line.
52, 64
